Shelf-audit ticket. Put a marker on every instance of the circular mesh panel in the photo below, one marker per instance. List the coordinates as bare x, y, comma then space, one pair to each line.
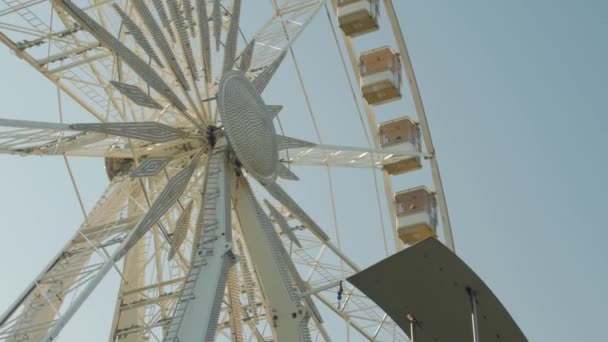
248, 126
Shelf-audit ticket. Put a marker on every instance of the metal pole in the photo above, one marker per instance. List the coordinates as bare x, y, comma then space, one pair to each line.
412, 336
412, 327
348, 330
320, 288
474, 316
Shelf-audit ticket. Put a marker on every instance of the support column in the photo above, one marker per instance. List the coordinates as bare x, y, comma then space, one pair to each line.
412, 321
198, 308
288, 316
133, 278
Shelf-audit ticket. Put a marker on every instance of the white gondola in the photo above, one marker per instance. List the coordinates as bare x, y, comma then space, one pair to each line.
416, 211
402, 134
357, 17
380, 75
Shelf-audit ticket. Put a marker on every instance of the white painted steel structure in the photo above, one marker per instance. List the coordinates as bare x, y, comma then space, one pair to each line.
202, 259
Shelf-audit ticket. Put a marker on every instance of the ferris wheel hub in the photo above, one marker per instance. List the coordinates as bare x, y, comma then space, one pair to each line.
248, 126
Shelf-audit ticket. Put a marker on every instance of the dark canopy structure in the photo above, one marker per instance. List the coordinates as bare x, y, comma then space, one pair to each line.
427, 284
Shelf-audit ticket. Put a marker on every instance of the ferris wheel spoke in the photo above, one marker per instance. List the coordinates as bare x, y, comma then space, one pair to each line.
281, 31
102, 140
217, 23
38, 138
148, 131
166, 199
204, 38
231, 38
179, 17
283, 197
159, 38
261, 81
164, 18
282, 222
267, 49
138, 35
168, 52
344, 156
245, 57
182, 226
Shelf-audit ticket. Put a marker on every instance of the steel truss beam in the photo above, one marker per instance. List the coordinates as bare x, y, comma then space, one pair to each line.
198, 308
343, 156
289, 316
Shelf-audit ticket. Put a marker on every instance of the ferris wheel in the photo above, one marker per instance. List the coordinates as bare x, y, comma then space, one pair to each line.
195, 220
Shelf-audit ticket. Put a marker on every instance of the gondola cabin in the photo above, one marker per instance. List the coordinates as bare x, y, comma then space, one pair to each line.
380, 75
402, 134
416, 211
357, 17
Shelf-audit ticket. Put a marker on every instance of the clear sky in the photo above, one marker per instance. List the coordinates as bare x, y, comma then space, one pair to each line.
516, 96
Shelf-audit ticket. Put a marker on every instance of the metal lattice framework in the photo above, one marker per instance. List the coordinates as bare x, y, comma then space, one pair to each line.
186, 138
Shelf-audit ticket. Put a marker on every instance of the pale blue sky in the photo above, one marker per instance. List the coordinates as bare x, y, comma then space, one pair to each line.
516, 97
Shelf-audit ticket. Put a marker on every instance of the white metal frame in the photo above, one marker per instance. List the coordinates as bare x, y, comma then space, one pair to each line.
82, 65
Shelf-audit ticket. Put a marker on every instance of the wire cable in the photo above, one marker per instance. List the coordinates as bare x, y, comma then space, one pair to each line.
319, 139
363, 126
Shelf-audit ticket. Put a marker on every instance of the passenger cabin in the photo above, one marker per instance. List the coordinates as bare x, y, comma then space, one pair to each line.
401, 134
416, 211
380, 75
357, 17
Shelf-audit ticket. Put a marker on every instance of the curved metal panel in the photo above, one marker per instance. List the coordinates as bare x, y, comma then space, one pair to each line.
429, 283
